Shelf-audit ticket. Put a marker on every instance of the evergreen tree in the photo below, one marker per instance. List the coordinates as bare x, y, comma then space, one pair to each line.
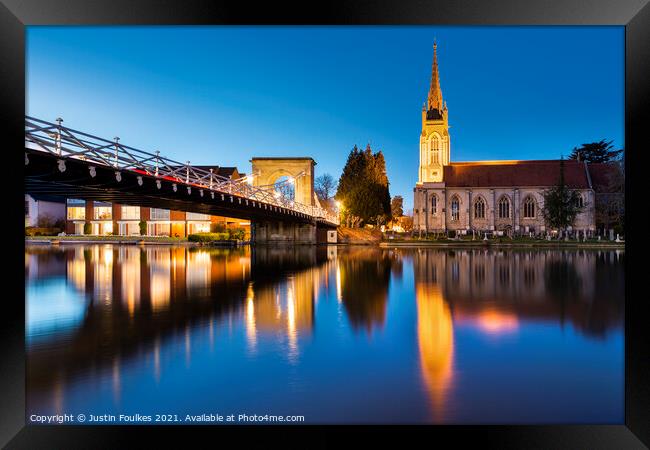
596, 152
561, 204
363, 188
397, 206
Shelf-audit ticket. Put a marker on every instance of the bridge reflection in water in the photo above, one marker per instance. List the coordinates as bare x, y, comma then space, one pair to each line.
342, 335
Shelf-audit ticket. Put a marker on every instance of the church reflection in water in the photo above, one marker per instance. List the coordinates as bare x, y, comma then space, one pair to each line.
97, 308
493, 291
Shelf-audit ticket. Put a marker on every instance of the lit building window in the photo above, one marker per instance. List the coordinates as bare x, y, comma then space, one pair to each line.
76, 209
197, 216
455, 209
529, 208
504, 207
434, 204
479, 208
158, 229
76, 212
198, 227
130, 212
129, 229
103, 211
159, 214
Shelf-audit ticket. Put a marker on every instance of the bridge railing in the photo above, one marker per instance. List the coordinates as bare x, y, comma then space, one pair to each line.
66, 142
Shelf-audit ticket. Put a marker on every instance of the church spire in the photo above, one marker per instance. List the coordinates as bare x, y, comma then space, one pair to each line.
434, 99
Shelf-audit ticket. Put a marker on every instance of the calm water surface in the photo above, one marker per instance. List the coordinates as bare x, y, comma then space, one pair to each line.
339, 335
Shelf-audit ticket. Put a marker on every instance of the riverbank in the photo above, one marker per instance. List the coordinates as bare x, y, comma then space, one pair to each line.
358, 236
133, 240
501, 243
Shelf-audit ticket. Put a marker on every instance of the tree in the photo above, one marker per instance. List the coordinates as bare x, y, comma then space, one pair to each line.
596, 152
560, 204
363, 188
407, 223
397, 206
324, 185
610, 199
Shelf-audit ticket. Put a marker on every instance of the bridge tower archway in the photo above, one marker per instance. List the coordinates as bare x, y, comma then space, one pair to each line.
266, 171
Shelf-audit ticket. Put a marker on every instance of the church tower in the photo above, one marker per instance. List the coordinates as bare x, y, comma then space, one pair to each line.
434, 139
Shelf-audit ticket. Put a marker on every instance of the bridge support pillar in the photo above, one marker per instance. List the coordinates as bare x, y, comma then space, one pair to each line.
271, 232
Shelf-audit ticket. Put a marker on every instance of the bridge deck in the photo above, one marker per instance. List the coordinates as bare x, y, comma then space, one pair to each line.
42, 175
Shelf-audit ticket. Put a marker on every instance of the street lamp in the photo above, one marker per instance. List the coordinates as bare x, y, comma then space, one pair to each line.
339, 206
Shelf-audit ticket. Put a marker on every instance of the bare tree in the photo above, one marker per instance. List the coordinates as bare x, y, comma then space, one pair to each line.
324, 185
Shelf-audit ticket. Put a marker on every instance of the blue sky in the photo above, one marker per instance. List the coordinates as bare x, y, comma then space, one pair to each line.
221, 95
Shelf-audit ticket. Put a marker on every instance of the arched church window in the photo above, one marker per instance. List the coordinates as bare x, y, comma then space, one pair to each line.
435, 149
529, 208
504, 207
579, 201
455, 208
479, 208
434, 204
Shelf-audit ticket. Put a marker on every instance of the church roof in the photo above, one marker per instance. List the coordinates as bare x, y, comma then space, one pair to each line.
604, 176
515, 174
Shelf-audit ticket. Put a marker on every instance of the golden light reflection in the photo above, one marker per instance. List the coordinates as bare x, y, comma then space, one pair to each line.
251, 331
108, 255
198, 269
77, 270
292, 333
131, 279
160, 283
436, 343
496, 322
339, 292
103, 279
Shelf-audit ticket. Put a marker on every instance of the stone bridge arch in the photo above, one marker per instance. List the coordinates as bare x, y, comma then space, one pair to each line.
266, 171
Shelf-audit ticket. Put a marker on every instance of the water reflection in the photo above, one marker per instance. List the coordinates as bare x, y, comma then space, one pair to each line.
325, 330
363, 276
435, 342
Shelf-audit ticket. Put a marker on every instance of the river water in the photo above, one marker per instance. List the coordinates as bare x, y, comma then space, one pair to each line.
339, 335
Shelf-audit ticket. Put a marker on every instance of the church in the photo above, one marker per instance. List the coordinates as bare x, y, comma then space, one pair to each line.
493, 197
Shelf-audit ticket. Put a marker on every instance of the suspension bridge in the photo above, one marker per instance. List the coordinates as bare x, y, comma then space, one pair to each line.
73, 164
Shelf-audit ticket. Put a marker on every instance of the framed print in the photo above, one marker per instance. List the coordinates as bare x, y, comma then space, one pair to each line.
391, 223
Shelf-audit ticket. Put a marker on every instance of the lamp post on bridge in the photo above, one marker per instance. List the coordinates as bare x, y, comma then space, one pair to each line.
117, 149
58, 136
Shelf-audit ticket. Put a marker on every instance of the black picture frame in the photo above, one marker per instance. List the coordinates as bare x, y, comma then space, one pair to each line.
633, 14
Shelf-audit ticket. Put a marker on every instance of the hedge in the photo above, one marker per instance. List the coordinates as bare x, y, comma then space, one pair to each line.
41, 231
207, 237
